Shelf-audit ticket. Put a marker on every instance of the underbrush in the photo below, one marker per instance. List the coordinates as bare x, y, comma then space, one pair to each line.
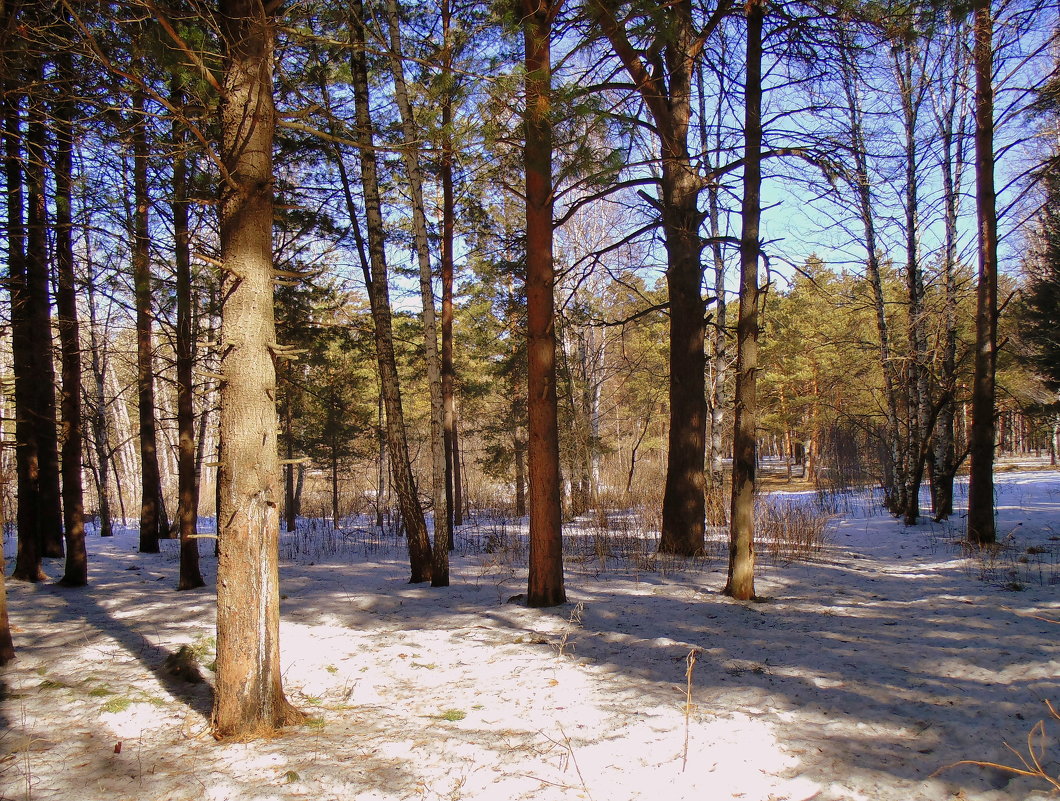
1014, 565
616, 538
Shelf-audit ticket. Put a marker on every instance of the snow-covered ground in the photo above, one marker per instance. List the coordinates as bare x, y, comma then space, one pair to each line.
868, 670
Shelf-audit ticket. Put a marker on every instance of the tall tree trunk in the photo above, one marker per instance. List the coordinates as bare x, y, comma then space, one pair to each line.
40, 316
894, 484
666, 88
950, 121
76, 572
740, 584
981, 523
187, 476
248, 699
918, 392
452, 448
439, 493
99, 423
28, 559
545, 581
150, 479
379, 296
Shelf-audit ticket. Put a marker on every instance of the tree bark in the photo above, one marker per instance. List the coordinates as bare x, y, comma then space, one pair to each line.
187, 476
28, 559
950, 124
452, 449
670, 104
981, 523
439, 486
76, 572
40, 319
248, 699
740, 584
545, 581
99, 423
150, 480
403, 481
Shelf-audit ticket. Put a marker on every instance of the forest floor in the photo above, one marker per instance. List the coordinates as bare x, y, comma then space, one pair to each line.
869, 668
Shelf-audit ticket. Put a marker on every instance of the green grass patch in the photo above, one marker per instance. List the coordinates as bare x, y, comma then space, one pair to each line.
453, 715
119, 704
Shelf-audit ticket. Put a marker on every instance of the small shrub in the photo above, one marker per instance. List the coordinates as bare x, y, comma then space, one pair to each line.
453, 715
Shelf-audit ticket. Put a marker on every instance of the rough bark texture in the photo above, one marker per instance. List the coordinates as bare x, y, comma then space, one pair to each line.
76, 572
740, 584
187, 475
402, 479
545, 581
38, 305
248, 699
28, 559
981, 523
665, 85
150, 481
439, 491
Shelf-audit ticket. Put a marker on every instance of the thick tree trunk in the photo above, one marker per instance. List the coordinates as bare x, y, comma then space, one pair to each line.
439, 489
150, 481
404, 482
545, 582
28, 559
981, 523
76, 572
666, 88
187, 476
740, 584
40, 317
248, 699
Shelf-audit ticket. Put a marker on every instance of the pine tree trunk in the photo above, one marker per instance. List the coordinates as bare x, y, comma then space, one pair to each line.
43, 411
187, 476
76, 572
28, 559
545, 582
740, 584
403, 481
452, 447
150, 480
439, 490
669, 101
981, 523
248, 699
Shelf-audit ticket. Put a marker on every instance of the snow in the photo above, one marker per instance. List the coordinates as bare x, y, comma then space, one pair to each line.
870, 669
